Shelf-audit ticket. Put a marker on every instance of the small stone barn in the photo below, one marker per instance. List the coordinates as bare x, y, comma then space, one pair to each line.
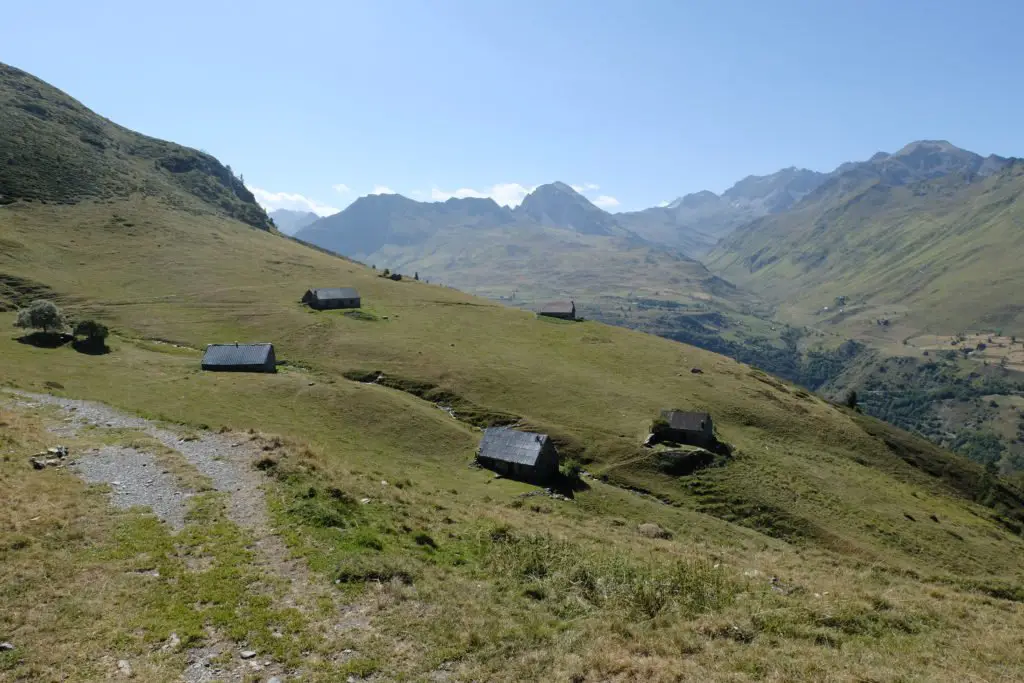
240, 358
566, 310
332, 297
525, 456
691, 428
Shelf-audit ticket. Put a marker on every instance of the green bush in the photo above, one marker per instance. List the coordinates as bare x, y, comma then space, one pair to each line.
659, 426
93, 331
571, 469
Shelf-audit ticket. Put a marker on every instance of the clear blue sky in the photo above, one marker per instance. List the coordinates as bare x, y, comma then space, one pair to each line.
647, 100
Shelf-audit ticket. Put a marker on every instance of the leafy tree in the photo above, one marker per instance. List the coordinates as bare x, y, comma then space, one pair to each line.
571, 469
416, 276
387, 272
94, 332
41, 315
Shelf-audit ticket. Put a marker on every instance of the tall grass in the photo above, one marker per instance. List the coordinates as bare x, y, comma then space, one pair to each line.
584, 580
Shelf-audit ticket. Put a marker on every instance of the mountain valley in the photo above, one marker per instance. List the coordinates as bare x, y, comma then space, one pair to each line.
332, 523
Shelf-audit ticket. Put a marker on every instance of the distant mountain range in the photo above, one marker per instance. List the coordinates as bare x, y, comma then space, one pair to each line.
932, 231
375, 221
692, 223
554, 244
290, 222
888, 229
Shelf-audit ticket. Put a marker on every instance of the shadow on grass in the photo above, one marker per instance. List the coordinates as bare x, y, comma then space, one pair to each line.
90, 348
45, 340
568, 486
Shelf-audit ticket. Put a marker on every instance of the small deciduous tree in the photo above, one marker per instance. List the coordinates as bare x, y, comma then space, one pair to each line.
94, 332
571, 470
41, 315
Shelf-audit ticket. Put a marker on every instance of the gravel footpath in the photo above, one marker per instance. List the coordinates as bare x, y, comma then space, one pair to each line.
135, 478
225, 459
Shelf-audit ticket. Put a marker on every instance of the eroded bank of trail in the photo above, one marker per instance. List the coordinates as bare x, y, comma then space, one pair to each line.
139, 476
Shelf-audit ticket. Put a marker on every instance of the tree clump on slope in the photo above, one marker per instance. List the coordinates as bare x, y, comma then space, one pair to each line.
95, 334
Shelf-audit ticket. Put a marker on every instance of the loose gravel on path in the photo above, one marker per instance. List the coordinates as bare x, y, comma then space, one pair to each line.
225, 459
135, 478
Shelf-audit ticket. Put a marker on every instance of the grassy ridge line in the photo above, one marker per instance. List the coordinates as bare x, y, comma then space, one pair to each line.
56, 150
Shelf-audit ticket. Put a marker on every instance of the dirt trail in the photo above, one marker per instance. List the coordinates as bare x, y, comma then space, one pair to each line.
136, 478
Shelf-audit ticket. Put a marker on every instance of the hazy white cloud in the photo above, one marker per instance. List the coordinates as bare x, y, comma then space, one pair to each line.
382, 189
606, 202
341, 188
440, 195
585, 187
506, 194
288, 200
664, 204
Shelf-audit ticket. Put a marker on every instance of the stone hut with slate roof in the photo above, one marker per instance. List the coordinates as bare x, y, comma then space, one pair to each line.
525, 456
332, 297
240, 358
566, 310
695, 429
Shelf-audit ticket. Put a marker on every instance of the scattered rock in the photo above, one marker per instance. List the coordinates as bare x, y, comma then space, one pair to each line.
172, 643
6, 647
248, 654
51, 457
124, 668
935, 518
652, 530
275, 679
364, 501
697, 371
650, 440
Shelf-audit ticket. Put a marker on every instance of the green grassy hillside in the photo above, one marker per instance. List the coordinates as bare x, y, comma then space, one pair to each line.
808, 480
53, 149
938, 256
892, 559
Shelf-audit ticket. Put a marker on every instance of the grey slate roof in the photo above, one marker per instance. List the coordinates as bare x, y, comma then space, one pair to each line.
509, 445
691, 422
327, 293
565, 307
237, 354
